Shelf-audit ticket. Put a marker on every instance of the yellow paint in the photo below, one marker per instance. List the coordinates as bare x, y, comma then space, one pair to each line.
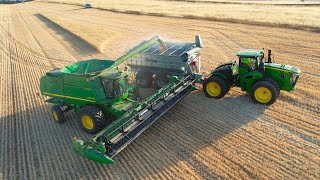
213, 89
263, 95
55, 116
71, 97
87, 122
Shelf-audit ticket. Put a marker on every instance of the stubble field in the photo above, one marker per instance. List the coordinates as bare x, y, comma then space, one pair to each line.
200, 138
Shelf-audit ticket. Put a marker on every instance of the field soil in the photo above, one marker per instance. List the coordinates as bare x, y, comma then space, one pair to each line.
200, 138
304, 15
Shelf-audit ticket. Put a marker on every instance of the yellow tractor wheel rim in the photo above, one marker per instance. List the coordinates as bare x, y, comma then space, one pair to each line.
87, 122
263, 95
213, 89
55, 116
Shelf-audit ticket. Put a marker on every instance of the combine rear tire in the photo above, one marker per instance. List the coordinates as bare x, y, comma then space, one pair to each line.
264, 92
57, 114
92, 119
215, 87
144, 79
161, 80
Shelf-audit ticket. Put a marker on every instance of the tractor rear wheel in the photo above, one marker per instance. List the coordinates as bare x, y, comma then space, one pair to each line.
92, 119
144, 79
215, 87
160, 80
264, 92
57, 114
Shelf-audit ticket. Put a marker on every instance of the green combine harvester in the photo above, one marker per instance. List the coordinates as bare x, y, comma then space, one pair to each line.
107, 102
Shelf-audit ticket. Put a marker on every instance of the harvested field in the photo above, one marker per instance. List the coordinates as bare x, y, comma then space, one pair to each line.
299, 16
200, 138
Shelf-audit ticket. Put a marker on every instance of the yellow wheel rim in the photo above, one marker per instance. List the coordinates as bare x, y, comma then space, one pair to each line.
263, 95
55, 116
87, 122
213, 89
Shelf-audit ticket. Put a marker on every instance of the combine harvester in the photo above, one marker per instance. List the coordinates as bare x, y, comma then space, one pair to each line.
100, 91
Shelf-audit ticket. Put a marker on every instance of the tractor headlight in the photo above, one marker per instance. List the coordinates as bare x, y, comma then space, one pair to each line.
293, 79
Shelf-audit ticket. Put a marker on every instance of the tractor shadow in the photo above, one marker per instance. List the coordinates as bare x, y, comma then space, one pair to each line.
79, 45
36, 146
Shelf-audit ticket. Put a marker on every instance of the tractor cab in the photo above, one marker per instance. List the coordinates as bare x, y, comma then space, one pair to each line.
249, 60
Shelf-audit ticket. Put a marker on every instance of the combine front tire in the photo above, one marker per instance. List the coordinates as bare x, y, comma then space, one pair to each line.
215, 87
57, 114
92, 119
264, 92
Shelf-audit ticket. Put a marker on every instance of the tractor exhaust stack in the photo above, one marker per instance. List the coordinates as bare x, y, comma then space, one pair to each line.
269, 56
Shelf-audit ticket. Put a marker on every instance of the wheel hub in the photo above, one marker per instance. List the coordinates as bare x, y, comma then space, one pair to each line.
55, 116
87, 122
213, 89
263, 94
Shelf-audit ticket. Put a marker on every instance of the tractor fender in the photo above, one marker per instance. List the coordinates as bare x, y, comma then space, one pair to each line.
218, 74
255, 80
221, 76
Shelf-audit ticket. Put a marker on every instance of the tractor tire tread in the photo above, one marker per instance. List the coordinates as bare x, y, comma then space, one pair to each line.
268, 84
225, 87
274, 83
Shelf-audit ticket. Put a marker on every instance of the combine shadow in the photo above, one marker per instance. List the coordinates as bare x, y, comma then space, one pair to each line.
78, 44
34, 146
31, 142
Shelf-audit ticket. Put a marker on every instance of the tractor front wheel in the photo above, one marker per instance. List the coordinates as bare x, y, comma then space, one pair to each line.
264, 92
91, 119
57, 114
215, 87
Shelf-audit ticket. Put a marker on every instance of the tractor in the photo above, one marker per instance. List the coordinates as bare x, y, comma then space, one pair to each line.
263, 80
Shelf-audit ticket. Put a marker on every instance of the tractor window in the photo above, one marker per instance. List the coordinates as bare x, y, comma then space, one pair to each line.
249, 64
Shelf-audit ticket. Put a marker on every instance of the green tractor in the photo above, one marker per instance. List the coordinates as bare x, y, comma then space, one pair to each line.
262, 80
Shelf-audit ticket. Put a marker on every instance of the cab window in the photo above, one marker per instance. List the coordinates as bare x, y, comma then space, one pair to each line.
108, 88
249, 64
120, 87
115, 88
